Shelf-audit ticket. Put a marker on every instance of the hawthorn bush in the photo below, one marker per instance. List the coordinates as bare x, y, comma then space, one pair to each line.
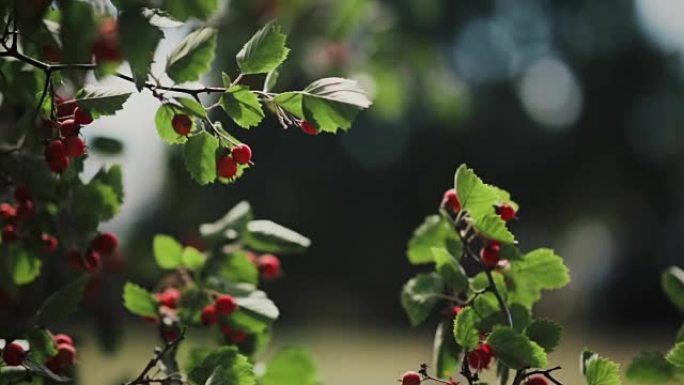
485, 287
50, 53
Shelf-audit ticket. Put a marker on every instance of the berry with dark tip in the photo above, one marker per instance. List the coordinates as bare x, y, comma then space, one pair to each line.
9, 234
182, 124
169, 297
105, 243
66, 354
74, 146
93, 260
82, 117
13, 354
227, 167
308, 128
505, 211
450, 201
269, 266
411, 378
490, 254
68, 127
208, 316
50, 243
481, 357
238, 336
242, 153
225, 304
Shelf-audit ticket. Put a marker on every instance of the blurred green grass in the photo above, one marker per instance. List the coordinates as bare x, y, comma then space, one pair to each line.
361, 354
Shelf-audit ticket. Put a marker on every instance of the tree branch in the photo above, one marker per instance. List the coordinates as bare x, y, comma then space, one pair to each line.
143, 378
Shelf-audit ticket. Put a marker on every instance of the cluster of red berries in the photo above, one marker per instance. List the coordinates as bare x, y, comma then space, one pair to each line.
70, 118
168, 303
224, 305
106, 47
481, 357
227, 166
267, 264
13, 215
66, 353
103, 244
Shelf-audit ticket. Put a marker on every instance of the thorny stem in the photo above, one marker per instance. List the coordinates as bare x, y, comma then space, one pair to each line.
143, 378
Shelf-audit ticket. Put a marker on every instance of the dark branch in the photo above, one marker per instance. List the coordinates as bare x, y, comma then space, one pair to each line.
143, 378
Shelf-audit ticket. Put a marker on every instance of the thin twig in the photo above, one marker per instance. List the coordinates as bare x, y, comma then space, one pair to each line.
169, 346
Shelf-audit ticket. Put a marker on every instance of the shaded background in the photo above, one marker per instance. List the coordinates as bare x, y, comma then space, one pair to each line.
575, 107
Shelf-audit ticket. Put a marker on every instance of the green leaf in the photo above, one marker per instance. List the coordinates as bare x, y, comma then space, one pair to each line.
93, 203
522, 318
77, 32
676, 355
492, 227
216, 377
264, 51
242, 106
329, 103
477, 197
542, 267
25, 266
465, 329
160, 18
418, 296
433, 232
445, 351
236, 219
237, 267
291, 366
162, 120
672, 282
139, 41
193, 56
601, 371
184, 9
269, 237
167, 251
40, 370
192, 107
200, 157
58, 306
139, 301
101, 101
650, 368
545, 333
515, 350
113, 178
680, 334
450, 270
236, 368
193, 259
41, 344
258, 303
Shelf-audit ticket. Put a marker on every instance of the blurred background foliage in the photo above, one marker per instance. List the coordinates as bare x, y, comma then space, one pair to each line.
573, 106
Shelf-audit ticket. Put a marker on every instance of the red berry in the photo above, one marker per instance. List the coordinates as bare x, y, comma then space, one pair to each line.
92, 260
169, 297
82, 117
490, 254
58, 165
209, 316
22, 194
225, 304
170, 334
455, 310
53, 365
55, 149
238, 336
66, 354
480, 358
181, 124
538, 380
9, 234
68, 127
63, 339
226, 330
411, 378
242, 153
269, 266
227, 168
75, 260
50, 243
308, 128
450, 201
7, 211
105, 243
64, 107
74, 146
25, 209
106, 47
13, 354
505, 211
